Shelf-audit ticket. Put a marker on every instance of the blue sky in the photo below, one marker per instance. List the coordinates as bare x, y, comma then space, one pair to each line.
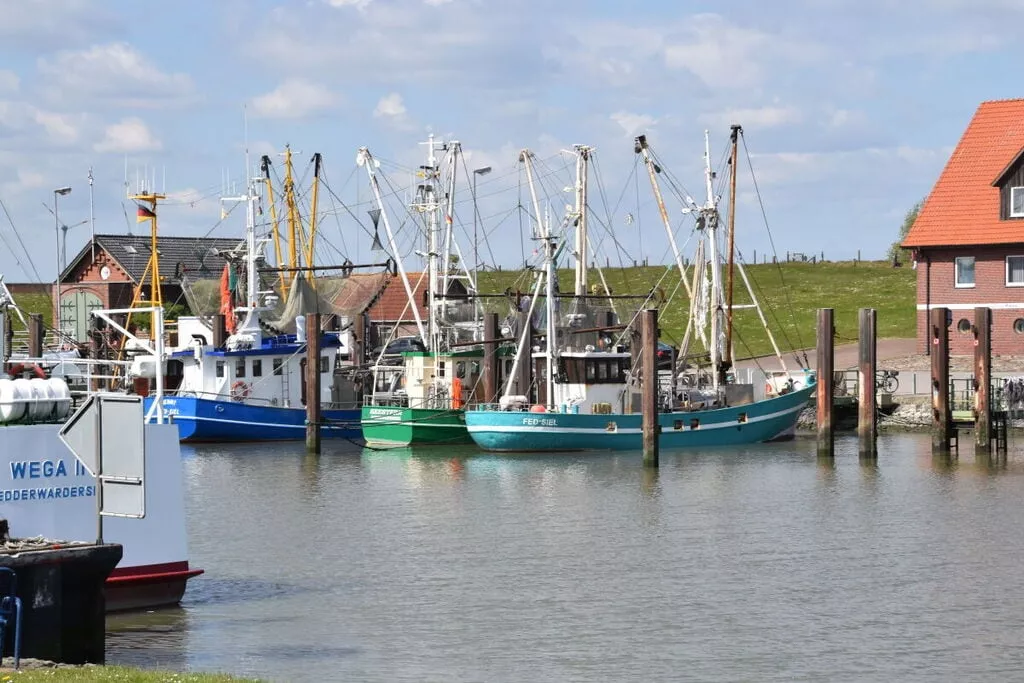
850, 107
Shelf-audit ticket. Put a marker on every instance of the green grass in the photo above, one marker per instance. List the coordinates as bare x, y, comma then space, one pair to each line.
110, 674
36, 303
844, 286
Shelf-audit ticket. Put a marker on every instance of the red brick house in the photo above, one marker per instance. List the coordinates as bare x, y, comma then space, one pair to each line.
968, 239
392, 308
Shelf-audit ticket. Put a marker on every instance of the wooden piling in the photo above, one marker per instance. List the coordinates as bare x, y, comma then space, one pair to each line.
982, 379
35, 335
867, 412
649, 384
938, 339
313, 382
220, 331
825, 383
357, 354
490, 378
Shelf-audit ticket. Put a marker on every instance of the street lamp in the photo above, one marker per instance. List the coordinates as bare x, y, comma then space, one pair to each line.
60, 191
476, 214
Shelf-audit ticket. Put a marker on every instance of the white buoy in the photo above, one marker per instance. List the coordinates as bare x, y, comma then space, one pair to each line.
61, 398
12, 408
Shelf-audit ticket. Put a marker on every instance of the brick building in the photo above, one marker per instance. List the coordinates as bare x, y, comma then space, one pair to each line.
968, 240
105, 273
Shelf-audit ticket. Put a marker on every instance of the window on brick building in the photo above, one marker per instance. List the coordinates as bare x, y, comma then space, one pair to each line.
1017, 202
964, 271
1015, 271
964, 325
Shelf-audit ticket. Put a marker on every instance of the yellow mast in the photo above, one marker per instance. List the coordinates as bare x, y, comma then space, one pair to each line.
293, 212
312, 216
275, 224
153, 265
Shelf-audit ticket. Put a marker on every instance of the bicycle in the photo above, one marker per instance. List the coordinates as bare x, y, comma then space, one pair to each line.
887, 381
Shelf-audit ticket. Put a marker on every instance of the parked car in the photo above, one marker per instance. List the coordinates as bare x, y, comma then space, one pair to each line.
666, 353
398, 346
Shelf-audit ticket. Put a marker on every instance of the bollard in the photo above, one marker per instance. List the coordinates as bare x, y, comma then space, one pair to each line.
825, 387
867, 413
938, 339
649, 384
313, 382
982, 329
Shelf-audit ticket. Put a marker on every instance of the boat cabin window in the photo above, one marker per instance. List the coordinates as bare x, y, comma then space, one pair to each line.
325, 365
592, 370
474, 369
277, 366
460, 369
257, 368
240, 367
440, 369
220, 368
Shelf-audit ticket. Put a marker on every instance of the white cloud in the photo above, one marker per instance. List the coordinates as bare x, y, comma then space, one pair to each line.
127, 136
9, 81
115, 73
60, 128
294, 99
633, 124
770, 116
391, 108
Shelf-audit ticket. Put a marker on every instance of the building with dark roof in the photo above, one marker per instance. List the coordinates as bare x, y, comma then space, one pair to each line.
105, 273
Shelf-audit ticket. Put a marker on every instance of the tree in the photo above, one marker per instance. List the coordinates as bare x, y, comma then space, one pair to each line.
908, 222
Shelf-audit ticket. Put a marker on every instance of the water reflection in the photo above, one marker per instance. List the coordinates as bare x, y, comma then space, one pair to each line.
452, 564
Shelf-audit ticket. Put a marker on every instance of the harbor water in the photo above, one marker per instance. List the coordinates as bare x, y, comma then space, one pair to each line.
763, 563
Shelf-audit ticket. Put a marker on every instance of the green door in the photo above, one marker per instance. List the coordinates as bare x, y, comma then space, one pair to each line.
74, 313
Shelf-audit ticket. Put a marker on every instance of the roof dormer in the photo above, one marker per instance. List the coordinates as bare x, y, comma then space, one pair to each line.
1010, 182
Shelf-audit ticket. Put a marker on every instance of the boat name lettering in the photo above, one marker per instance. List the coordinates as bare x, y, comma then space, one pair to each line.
386, 413
540, 422
43, 469
49, 493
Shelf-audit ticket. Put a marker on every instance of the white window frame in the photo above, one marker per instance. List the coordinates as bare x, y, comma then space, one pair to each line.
1007, 261
1017, 214
956, 273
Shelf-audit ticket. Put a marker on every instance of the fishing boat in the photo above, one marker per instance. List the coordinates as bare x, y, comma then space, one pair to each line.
45, 491
589, 396
421, 399
253, 386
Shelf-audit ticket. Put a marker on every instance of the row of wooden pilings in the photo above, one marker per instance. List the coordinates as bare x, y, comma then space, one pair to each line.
944, 432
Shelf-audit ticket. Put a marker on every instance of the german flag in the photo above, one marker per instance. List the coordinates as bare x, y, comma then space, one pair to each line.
143, 214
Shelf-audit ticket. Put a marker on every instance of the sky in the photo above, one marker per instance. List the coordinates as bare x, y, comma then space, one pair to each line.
850, 109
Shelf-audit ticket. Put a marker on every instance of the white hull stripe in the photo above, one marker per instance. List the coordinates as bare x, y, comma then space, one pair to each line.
185, 418
516, 429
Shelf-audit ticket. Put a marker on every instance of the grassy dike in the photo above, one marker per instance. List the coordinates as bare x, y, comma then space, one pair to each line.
790, 293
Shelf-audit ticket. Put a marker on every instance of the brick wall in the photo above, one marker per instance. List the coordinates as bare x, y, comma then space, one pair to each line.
990, 289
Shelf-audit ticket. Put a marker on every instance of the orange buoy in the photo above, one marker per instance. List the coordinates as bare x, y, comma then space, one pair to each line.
538, 409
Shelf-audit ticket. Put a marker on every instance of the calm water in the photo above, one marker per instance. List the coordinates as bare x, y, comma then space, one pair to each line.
761, 564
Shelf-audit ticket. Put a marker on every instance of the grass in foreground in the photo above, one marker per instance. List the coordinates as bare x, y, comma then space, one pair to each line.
110, 674
790, 293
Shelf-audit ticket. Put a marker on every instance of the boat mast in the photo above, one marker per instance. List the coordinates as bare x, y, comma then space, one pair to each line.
275, 224
582, 171
709, 214
293, 211
317, 163
449, 215
726, 363
549, 276
426, 195
364, 158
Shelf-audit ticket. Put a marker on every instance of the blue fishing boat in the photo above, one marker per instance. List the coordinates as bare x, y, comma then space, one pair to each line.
587, 394
253, 386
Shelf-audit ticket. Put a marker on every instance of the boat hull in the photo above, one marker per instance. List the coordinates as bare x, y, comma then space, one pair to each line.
209, 420
766, 420
399, 426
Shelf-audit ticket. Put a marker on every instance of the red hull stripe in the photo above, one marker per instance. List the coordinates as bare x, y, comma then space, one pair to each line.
151, 573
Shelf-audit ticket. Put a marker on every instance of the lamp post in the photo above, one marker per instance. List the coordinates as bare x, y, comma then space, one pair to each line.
60, 191
476, 213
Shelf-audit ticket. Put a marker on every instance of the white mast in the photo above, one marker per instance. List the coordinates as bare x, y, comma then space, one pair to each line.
427, 203
549, 275
710, 216
92, 218
364, 158
582, 171
249, 330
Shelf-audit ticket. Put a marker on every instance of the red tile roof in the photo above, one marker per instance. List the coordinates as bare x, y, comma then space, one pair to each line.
963, 207
392, 305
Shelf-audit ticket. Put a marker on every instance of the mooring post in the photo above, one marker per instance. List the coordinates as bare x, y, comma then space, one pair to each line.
825, 386
220, 331
35, 335
982, 378
649, 384
358, 353
942, 419
313, 382
490, 368
867, 414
